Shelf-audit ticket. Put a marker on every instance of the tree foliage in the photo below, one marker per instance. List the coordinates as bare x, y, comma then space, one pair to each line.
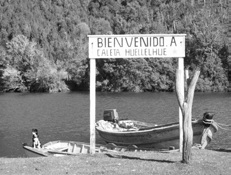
46, 43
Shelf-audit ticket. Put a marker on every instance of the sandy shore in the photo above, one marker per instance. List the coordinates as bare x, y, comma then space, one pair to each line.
204, 162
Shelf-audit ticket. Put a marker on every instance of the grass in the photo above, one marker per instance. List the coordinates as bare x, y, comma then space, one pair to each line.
204, 162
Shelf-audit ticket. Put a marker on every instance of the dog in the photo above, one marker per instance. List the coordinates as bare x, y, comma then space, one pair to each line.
35, 139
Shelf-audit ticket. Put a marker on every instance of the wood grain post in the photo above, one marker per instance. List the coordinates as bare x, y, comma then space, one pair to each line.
92, 104
181, 91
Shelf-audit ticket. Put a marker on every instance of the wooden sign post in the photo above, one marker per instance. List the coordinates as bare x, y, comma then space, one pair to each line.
181, 90
133, 46
92, 104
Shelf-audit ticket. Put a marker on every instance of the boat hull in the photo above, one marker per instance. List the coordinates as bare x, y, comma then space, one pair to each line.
61, 148
34, 152
160, 137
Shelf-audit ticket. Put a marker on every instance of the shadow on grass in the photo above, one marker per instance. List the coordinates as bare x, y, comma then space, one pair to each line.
223, 150
138, 158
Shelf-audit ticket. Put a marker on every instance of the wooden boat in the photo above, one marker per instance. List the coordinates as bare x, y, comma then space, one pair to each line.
61, 148
141, 134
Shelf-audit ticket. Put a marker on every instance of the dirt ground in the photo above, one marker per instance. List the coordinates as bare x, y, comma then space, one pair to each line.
204, 162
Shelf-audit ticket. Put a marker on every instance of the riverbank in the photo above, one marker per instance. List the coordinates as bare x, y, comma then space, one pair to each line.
203, 162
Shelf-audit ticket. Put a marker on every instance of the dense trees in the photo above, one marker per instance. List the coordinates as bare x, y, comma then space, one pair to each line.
44, 45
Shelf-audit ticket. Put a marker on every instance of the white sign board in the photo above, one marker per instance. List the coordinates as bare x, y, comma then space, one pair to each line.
137, 46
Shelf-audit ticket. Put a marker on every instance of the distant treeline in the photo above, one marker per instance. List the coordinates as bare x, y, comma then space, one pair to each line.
44, 44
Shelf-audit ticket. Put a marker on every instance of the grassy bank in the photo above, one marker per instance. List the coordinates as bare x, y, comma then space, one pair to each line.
204, 162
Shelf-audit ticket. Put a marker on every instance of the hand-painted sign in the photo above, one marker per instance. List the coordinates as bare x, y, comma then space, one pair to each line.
137, 46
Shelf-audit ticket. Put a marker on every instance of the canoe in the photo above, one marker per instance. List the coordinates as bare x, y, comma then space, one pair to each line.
61, 148
148, 135
34, 152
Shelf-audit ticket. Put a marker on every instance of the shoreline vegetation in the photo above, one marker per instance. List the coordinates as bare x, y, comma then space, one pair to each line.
203, 162
44, 44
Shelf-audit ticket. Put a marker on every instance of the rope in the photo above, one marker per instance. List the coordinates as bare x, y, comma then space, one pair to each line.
208, 121
220, 126
223, 124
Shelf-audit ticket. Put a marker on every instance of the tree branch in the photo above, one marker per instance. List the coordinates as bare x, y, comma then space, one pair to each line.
191, 87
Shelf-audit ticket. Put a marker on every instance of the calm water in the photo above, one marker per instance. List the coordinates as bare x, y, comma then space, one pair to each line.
65, 116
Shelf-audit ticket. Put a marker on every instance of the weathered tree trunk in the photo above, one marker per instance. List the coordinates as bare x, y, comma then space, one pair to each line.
186, 108
187, 134
229, 46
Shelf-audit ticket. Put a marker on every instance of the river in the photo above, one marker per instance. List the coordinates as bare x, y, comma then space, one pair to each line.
65, 116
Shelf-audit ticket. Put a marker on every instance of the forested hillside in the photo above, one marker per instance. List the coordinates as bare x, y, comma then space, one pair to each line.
44, 44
